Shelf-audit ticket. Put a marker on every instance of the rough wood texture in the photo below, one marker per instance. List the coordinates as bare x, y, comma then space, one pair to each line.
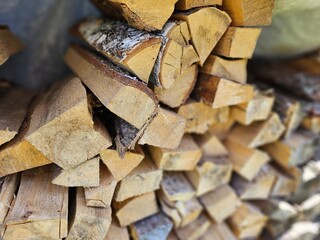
188, 4
183, 158
133, 49
177, 31
117, 232
218, 232
210, 145
38, 214
221, 129
206, 26
9, 44
118, 91
195, 230
220, 92
146, 15
248, 12
88, 222
232, 69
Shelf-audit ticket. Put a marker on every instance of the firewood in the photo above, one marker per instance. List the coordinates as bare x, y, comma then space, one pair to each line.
218, 232
112, 86
165, 130
247, 221
38, 213
210, 145
118, 167
301, 230
257, 109
259, 188
219, 92
237, 42
117, 232
195, 230
249, 13
210, 174
258, 133
136, 208
232, 69
220, 203
176, 187
102, 195
148, 15
312, 123
132, 49
183, 158
9, 44
144, 178
310, 208
88, 222
200, 116
157, 226
246, 162
188, 4
221, 129
206, 26
177, 31
180, 90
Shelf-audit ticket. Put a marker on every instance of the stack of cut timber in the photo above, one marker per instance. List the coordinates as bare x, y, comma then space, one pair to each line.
158, 136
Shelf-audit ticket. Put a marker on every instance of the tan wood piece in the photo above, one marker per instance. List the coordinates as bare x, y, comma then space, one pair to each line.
218, 232
312, 123
188, 4
117, 232
195, 230
210, 145
177, 31
9, 44
221, 129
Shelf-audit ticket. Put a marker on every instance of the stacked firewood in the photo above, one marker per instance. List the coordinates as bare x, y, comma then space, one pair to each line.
159, 135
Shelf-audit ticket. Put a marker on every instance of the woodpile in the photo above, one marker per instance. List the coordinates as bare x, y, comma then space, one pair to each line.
159, 135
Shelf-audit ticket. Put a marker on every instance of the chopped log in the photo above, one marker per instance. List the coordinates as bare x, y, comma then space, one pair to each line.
180, 90
237, 42
144, 178
37, 213
88, 222
222, 128
249, 13
165, 130
9, 44
219, 92
257, 109
210, 145
136, 208
232, 69
102, 195
147, 15
117, 232
200, 116
183, 158
220, 203
210, 174
113, 86
176, 187
188, 4
118, 167
177, 31
310, 208
206, 26
312, 123
301, 230
156, 227
258, 133
218, 232
195, 230
132, 49
246, 162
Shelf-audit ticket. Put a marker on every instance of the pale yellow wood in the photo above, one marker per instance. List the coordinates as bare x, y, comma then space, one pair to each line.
312, 123
221, 129
177, 31
188, 4
218, 232
310, 208
9, 44
195, 230
210, 145
117, 232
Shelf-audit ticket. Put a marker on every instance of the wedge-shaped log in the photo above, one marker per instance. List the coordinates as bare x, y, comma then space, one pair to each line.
38, 213
312, 123
221, 129
219, 92
310, 208
210, 173
136, 208
210, 145
195, 230
9, 44
188, 4
177, 31
183, 158
206, 26
117, 232
218, 232
117, 90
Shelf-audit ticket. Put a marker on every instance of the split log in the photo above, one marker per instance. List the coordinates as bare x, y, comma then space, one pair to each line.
132, 49
156, 227
165, 130
37, 213
200, 116
136, 208
176, 187
147, 15
206, 26
195, 230
301, 230
310, 209
183, 158
258, 133
312, 123
117, 232
221, 129
117, 90
219, 232
118, 167
102, 195
237, 42
188, 4
232, 69
210, 145
246, 162
144, 178
9, 44
88, 222
249, 13
177, 31
219, 92
220, 203
210, 174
